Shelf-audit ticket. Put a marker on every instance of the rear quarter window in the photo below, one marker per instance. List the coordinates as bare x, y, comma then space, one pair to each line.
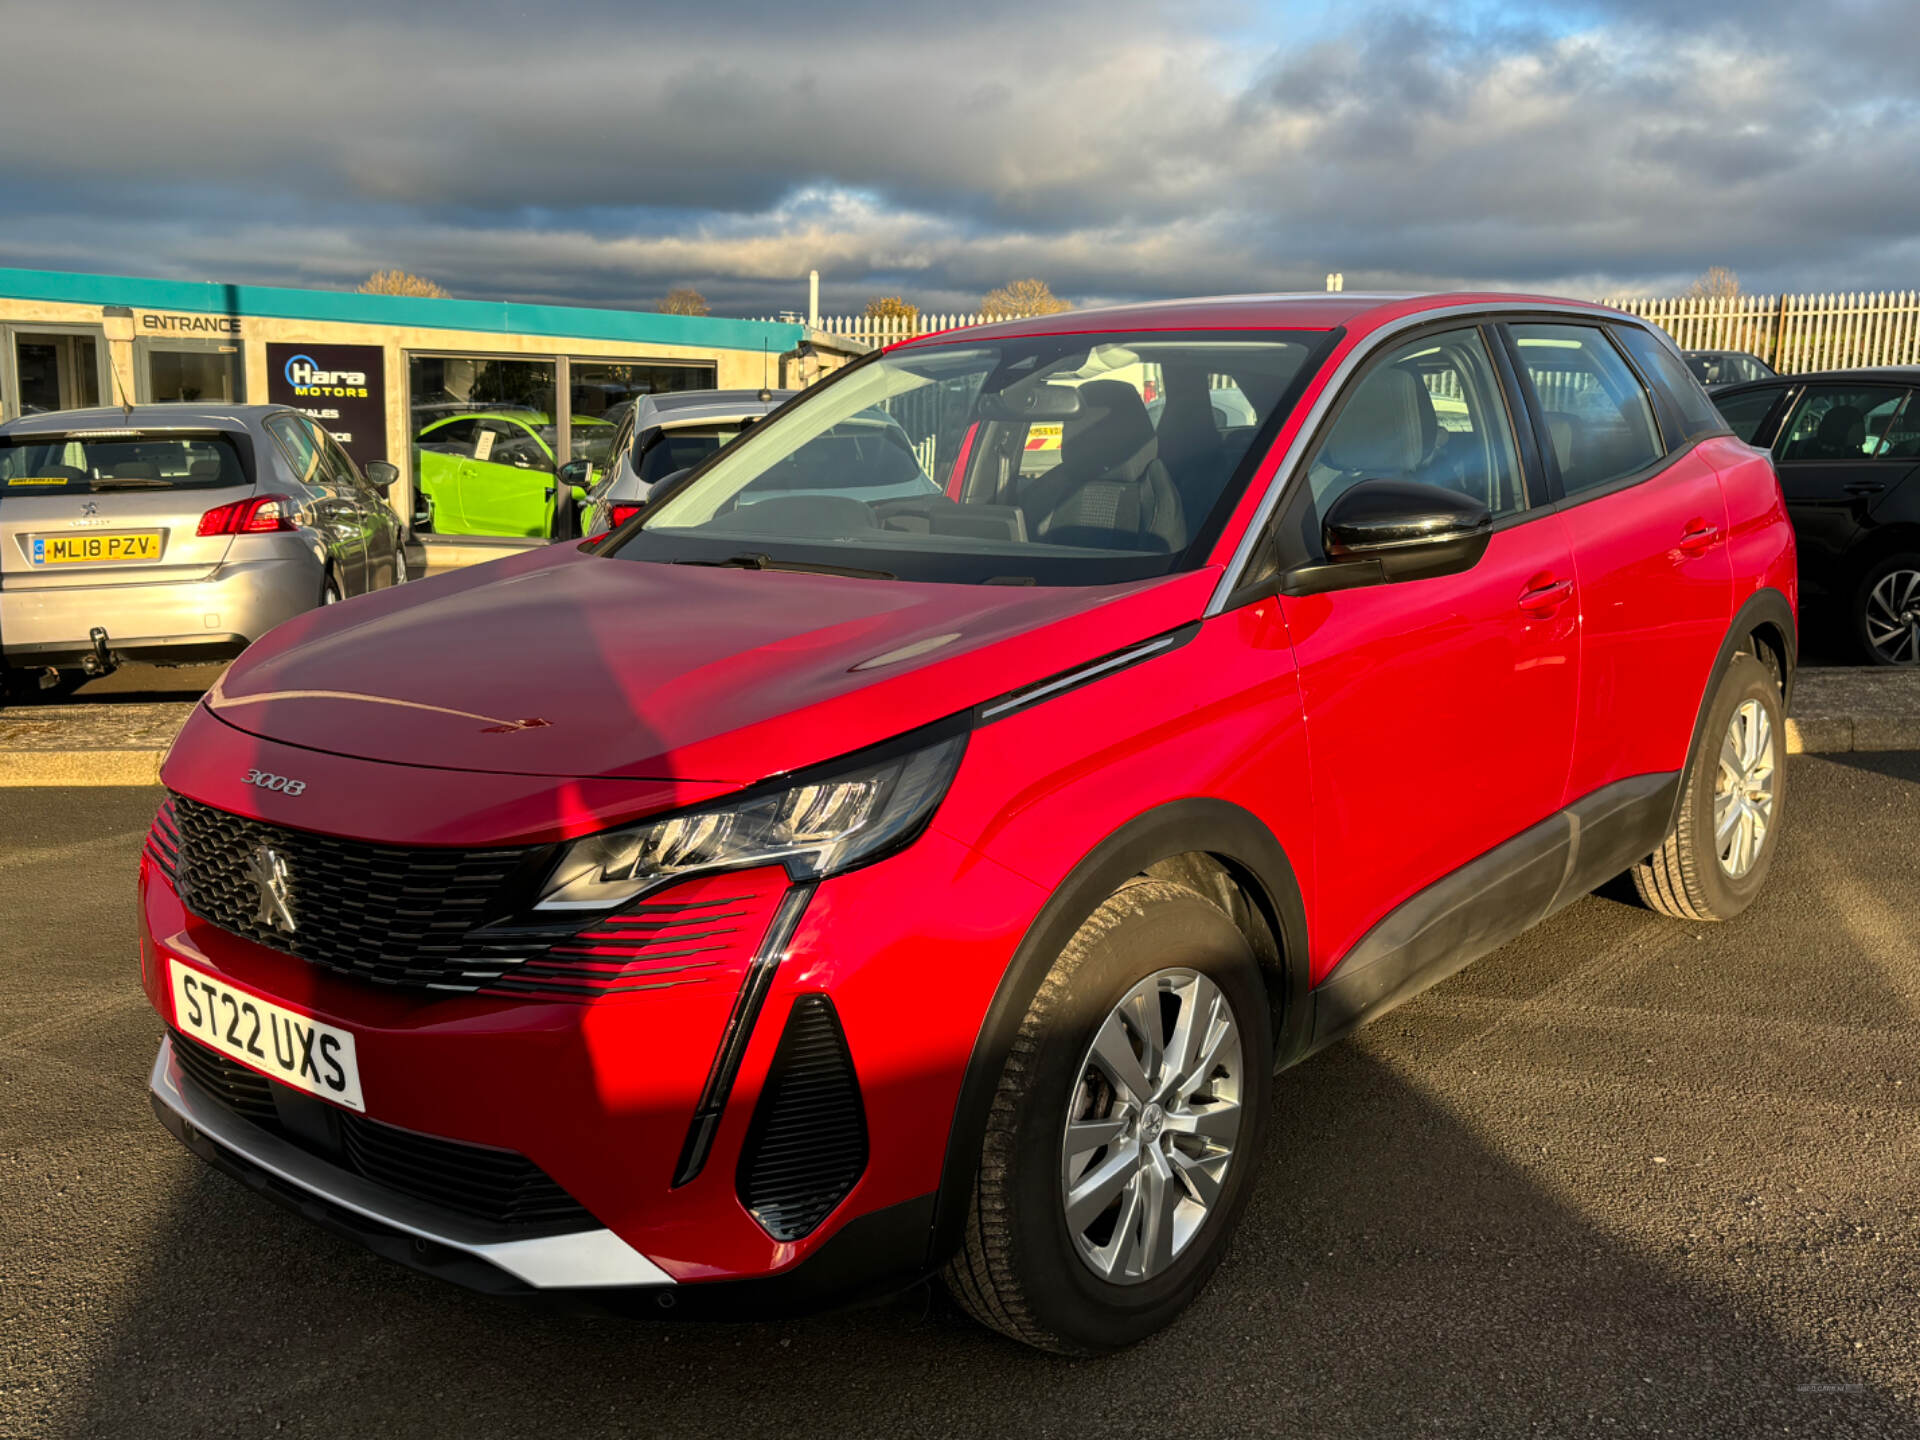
1686, 402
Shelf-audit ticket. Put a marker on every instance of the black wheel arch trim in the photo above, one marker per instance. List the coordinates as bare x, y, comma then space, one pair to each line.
1215, 827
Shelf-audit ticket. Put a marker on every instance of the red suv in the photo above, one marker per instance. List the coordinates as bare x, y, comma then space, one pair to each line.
912, 844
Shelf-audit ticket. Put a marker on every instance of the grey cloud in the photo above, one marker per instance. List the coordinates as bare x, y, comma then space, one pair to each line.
603, 152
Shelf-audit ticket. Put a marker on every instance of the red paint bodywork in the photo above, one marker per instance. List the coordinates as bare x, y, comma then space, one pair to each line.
1384, 736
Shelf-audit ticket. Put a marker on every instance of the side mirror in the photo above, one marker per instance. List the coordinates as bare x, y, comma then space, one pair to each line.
1382, 531
577, 472
380, 475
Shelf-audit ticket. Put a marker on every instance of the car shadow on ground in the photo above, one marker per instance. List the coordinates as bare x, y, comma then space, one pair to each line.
1556, 1196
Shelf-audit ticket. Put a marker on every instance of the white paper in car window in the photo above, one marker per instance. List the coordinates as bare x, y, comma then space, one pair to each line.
483, 447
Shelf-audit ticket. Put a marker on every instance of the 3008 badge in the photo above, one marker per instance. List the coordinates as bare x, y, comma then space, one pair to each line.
281, 783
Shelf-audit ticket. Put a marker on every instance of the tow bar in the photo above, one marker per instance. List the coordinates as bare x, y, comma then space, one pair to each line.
99, 662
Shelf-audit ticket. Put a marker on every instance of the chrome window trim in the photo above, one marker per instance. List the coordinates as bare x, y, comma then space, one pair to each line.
582, 1258
1336, 383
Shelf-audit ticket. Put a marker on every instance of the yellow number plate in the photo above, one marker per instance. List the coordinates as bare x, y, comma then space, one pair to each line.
122, 545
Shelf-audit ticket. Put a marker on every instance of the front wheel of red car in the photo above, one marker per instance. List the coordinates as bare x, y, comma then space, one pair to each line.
1124, 1135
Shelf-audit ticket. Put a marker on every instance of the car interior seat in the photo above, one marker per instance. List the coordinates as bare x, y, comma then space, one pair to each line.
1110, 490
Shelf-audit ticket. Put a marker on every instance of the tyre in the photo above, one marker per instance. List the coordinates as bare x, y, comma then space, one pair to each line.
400, 572
1124, 1135
1716, 858
330, 591
1885, 613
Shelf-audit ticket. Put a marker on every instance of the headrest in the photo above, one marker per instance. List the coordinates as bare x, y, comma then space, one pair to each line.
1112, 436
204, 469
1843, 428
136, 470
1382, 432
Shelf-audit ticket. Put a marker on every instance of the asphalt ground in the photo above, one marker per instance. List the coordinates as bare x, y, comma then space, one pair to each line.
1626, 1176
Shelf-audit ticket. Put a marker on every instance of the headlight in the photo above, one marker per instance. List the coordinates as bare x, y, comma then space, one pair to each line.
816, 824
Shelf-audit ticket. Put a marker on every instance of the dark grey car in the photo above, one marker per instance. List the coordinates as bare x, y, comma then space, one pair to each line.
176, 534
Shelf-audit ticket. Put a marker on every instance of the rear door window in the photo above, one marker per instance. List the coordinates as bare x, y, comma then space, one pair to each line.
1598, 415
92, 463
1747, 411
296, 443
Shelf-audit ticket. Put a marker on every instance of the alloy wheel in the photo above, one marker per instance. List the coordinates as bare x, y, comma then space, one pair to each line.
1893, 617
1743, 790
1152, 1126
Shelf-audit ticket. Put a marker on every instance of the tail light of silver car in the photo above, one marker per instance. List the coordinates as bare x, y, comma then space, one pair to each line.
256, 515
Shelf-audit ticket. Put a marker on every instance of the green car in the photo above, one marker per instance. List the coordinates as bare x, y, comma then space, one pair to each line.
491, 472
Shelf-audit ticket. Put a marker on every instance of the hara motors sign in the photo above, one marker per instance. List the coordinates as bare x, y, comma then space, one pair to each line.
344, 387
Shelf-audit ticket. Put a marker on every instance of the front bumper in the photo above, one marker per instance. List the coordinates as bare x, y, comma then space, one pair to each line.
580, 1259
600, 1096
214, 618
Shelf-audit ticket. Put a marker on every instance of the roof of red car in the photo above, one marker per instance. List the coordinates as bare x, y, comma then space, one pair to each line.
1310, 310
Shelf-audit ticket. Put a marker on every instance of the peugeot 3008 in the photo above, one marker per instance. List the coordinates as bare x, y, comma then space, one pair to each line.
809, 887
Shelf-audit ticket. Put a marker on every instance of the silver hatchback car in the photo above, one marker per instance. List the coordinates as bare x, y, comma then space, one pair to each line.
176, 534
664, 435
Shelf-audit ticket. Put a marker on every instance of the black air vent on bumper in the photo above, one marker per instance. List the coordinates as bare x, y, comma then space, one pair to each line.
806, 1147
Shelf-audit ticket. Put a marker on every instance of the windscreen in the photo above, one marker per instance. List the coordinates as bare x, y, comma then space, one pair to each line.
95, 462
1050, 460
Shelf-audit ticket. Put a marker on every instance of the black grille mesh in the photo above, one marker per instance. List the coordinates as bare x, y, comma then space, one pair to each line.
392, 914
497, 1186
806, 1147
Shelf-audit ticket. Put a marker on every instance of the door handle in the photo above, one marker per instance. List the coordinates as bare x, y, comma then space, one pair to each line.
1544, 596
1699, 538
1864, 487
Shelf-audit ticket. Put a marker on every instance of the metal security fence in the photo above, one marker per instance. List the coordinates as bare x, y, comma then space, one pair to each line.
1790, 332
1794, 333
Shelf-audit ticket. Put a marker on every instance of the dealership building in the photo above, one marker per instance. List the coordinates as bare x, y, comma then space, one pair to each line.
384, 373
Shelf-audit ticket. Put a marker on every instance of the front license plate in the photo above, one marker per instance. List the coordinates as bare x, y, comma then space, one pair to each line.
108, 546
281, 1044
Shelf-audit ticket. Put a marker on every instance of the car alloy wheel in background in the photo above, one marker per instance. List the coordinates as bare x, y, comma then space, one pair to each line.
1890, 622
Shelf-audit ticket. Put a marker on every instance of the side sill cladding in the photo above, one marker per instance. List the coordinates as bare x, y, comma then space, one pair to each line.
1215, 827
1489, 901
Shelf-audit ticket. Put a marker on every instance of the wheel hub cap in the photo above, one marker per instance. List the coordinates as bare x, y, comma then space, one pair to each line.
1152, 1126
1743, 791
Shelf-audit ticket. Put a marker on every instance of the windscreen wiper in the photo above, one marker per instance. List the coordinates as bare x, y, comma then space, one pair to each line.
756, 561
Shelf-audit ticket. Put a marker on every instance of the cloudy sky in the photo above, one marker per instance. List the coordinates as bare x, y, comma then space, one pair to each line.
601, 152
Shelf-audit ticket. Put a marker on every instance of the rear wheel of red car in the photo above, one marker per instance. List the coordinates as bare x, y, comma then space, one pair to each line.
1718, 854
1124, 1135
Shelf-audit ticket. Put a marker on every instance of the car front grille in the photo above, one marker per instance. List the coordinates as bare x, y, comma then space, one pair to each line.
499, 1187
396, 915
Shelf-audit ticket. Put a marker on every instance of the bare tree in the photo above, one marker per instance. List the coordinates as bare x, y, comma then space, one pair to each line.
684, 300
1021, 298
400, 282
1718, 283
891, 307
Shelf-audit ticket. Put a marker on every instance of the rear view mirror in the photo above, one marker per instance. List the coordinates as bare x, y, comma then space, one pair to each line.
380, 475
1382, 531
1030, 402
